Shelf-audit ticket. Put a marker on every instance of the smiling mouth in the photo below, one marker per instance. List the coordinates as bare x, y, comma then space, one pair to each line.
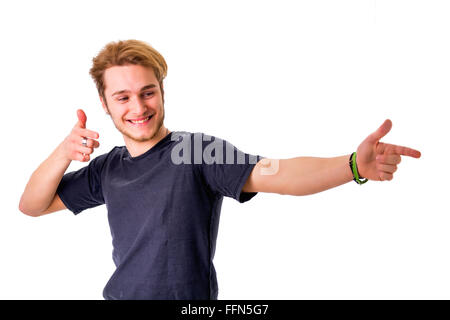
141, 121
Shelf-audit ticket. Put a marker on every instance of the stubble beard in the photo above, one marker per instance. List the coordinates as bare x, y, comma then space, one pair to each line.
153, 133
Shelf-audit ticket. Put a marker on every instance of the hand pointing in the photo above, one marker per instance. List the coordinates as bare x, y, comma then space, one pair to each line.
377, 160
72, 144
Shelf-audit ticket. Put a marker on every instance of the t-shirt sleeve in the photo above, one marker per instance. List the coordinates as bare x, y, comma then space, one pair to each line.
224, 168
82, 189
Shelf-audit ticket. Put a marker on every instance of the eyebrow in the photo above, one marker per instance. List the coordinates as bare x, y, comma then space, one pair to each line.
149, 86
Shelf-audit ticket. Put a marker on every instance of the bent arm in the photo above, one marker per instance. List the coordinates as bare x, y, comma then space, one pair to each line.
298, 176
39, 196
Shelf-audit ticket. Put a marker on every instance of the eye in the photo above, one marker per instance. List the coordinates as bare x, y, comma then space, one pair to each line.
148, 94
122, 99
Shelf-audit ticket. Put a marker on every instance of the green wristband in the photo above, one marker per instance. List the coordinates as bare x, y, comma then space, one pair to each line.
354, 168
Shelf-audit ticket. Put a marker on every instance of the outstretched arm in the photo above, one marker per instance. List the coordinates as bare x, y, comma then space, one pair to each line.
307, 175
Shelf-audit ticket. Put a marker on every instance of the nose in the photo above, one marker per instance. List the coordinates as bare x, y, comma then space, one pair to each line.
138, 106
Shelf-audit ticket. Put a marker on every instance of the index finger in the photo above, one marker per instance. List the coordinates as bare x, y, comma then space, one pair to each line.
405, 151
88, 133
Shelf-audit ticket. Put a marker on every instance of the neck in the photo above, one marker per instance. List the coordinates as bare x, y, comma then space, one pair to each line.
136, 148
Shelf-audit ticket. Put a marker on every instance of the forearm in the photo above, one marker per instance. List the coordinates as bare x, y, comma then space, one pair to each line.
309, 175
299, 176
44, 181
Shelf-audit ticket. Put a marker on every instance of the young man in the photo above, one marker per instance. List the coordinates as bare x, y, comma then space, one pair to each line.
163, 190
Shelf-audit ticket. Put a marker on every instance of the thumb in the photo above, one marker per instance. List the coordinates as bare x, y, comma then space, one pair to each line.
81, 119
381, 132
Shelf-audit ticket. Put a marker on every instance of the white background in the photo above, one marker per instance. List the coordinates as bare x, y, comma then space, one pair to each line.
276, 78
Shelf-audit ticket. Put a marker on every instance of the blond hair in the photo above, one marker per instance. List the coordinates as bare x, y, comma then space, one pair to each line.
125, 52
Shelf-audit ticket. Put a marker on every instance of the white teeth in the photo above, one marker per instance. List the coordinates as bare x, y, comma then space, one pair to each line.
140, 121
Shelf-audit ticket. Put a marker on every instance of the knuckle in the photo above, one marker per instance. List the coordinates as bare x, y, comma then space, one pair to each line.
385, 176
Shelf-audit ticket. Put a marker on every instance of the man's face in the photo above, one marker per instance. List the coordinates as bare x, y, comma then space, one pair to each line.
133, 95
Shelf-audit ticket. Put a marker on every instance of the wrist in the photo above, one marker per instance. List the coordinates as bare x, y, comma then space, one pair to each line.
354, 169
60, 154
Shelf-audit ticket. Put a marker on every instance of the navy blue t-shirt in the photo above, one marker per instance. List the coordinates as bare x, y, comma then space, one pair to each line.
163, 211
